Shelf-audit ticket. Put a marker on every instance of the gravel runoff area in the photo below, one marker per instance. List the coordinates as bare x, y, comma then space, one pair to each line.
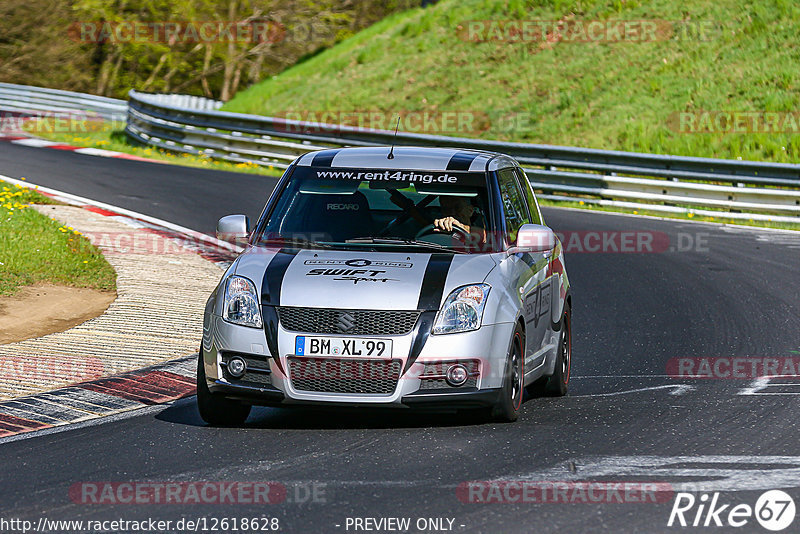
162, 288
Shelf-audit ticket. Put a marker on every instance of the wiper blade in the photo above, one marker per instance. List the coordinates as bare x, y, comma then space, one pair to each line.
402, 241
293, 241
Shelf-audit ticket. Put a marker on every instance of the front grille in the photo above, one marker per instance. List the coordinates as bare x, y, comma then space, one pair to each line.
333, 375
440, 368
347, 322
252, 377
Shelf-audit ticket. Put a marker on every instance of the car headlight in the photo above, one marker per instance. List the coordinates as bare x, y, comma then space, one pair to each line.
463, 310
241, 303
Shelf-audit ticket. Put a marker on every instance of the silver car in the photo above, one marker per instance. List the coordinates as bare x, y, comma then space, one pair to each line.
393, 277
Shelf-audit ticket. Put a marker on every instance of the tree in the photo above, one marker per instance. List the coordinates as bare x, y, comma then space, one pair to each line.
37, 34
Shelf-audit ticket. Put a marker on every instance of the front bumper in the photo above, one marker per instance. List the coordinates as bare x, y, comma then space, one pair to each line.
488, 345
471, 398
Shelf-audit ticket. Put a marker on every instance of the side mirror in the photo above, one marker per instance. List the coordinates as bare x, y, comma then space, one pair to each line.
534, 238
233, 229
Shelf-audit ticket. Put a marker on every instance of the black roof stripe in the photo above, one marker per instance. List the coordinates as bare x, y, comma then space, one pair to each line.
461, 161
324, 158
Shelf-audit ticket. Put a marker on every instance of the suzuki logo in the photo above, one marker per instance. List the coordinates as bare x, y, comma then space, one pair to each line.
346, 322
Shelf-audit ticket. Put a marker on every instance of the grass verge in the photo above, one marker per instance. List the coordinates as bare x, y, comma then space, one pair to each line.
35, 248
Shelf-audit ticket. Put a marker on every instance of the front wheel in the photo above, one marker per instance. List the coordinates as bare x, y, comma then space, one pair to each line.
214, 409
557, 384
507, 409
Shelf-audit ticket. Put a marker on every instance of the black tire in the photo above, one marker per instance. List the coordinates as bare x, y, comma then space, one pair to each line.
215, 409
507, 409
557, 384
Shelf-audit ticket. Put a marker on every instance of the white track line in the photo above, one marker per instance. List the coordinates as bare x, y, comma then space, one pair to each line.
90, 151
40, 143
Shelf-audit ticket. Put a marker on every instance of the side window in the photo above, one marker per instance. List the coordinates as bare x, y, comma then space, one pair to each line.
514, 209
533, 206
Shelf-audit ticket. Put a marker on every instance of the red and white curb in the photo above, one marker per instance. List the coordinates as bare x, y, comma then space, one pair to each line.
89, 151
158, 384
103, 397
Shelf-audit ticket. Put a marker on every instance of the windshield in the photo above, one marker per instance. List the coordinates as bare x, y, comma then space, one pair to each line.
381, 208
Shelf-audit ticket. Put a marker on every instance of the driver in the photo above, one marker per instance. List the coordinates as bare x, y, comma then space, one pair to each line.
458, 211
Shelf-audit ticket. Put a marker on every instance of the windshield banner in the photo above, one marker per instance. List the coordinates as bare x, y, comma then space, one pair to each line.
443, 178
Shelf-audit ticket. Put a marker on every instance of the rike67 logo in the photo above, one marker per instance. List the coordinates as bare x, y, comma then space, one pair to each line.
774, 510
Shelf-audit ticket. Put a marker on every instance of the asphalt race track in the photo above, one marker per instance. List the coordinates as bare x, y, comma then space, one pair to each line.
182, 195
704, 292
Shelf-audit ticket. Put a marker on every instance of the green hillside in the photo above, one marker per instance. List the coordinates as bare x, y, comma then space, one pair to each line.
707, 56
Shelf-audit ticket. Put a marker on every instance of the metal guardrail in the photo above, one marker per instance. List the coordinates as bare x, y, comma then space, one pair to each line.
36, 101
745, 189
182, 123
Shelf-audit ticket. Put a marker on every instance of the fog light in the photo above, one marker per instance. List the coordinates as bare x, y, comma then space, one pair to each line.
237, 367
457, 375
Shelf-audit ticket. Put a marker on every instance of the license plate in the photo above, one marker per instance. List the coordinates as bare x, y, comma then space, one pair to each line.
342, 346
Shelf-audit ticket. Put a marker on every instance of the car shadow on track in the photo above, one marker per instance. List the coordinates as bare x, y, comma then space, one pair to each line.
312, 418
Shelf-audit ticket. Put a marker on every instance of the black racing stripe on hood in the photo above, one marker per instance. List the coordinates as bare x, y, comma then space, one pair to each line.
430, 294
273, 277
324, 158
271, 298
461, 161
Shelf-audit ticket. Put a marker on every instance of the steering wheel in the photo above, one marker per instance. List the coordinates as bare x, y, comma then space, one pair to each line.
457, 233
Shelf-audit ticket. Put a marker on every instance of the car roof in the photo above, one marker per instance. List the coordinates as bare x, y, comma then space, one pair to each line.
407, 158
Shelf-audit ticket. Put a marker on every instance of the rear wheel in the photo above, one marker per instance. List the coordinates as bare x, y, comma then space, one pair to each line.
215, 409
557, 384
507, 409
